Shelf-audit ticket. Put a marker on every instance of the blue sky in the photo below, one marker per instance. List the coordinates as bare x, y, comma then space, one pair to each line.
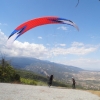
56, 43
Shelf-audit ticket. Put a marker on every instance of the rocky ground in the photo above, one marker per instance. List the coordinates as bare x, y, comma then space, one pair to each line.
30, 92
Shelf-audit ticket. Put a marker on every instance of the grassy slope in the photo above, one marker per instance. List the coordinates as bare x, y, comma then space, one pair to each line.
31, 78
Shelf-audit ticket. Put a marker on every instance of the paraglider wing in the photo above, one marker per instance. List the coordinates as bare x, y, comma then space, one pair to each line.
21, 29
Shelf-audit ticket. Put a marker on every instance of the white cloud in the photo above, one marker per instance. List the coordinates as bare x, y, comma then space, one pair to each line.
75, 44
29, 50
76, 49
63, 28
3, 24
3, 38
95, 37
63, 45
39, 50
23, 49
42, 52
85, 63
39, 37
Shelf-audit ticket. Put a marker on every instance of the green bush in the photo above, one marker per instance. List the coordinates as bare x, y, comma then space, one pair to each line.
28, 81
7, 72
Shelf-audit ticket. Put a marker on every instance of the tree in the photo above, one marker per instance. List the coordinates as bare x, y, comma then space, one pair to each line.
7, 72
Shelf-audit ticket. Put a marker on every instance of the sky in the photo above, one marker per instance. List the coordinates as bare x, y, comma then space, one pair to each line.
60, 43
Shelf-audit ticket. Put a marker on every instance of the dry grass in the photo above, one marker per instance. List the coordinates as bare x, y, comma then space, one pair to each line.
95, 92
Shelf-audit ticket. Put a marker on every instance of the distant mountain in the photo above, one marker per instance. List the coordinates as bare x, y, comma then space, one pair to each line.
43, 67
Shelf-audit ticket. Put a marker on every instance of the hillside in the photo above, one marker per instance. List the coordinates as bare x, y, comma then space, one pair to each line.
45, 67
62, 73
39, 66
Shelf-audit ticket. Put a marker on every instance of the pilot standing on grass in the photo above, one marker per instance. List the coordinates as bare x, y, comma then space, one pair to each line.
73, 85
